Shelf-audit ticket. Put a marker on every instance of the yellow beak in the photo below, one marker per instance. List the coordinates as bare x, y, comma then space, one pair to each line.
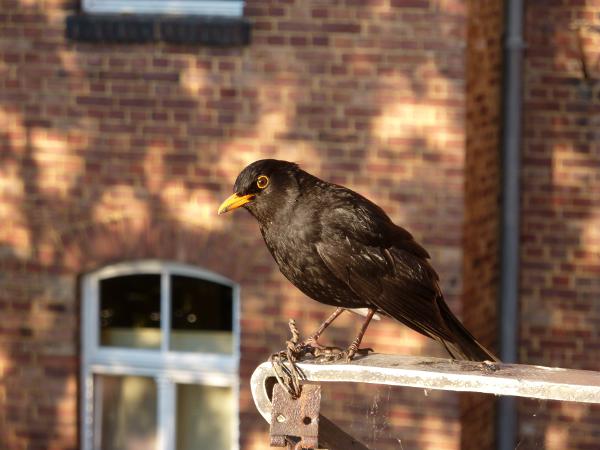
234, 201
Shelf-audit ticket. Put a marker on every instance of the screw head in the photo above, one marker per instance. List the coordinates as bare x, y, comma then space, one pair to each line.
280, 418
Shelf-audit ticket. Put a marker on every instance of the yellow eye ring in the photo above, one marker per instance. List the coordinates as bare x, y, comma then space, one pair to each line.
262, 181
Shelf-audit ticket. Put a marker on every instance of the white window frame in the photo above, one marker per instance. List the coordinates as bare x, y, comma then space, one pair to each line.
229, 8
167, 367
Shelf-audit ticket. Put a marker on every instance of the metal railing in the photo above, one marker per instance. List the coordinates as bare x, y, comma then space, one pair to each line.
520, 380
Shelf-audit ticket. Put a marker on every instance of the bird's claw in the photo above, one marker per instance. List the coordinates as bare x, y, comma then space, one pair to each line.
324, 353
333, 354
312, 343
312, 347
299, 351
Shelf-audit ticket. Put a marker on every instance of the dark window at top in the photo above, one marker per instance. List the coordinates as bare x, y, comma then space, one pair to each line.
130, 301
200, 305
130, 311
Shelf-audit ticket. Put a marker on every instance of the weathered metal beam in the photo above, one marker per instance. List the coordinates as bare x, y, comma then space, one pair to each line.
548, 383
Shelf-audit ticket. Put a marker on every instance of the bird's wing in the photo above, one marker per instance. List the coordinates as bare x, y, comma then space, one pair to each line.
390, 277
357, 217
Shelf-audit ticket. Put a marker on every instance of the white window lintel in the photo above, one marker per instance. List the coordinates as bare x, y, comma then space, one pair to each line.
228, 8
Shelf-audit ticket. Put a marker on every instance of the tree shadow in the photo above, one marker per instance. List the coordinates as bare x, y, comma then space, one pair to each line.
124, 152
559, 252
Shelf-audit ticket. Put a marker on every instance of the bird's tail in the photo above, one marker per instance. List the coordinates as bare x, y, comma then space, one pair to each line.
464, 345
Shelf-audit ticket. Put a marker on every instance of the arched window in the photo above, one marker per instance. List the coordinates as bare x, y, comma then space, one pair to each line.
160, 356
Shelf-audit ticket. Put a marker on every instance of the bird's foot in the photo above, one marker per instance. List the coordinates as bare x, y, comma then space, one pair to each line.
322, 353
312, 342
299, 351
310, 348
326, 353
333, 354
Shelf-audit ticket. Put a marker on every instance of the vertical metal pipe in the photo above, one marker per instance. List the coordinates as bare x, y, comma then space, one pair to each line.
510, 222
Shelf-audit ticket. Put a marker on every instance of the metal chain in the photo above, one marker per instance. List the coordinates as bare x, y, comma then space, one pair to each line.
286, 371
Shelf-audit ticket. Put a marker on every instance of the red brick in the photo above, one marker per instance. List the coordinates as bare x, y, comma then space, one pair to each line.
323, 83
410, 3
336, 27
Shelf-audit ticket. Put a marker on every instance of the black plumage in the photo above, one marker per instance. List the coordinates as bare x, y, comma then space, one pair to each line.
341, 249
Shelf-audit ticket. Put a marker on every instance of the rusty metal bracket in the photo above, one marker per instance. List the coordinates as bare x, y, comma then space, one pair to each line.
549, 383
295, 421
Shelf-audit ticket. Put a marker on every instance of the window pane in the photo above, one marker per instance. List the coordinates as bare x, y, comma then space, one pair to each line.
130, 311
204, 417
125, 409
202, 316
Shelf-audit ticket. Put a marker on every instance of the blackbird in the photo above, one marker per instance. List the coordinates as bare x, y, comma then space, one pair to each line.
341, 249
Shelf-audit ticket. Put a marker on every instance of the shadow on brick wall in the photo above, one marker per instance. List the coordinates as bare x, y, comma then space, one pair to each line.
561, 158
116, 153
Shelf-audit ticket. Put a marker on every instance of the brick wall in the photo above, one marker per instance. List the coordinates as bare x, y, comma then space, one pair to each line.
560, 314
482, 195
118, 152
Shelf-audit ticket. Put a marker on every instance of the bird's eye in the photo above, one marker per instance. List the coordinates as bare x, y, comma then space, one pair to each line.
262, 181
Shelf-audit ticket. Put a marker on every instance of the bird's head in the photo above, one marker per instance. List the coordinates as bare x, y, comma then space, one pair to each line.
263, 188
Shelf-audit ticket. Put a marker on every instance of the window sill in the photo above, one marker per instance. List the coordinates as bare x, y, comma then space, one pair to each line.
140, 29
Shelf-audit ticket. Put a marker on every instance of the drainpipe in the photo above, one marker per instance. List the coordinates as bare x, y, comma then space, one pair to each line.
510, 221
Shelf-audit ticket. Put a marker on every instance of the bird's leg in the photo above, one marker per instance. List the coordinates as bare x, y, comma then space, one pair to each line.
353, 349
311, 345
313, 340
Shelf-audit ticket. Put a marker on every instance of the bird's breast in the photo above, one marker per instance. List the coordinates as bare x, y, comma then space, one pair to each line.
294, 251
